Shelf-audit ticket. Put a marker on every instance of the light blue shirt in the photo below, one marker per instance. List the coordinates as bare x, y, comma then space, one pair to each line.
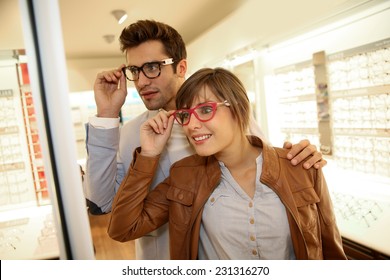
235, 226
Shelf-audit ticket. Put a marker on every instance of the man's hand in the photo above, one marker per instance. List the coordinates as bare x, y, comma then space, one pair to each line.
110, 92
302, 150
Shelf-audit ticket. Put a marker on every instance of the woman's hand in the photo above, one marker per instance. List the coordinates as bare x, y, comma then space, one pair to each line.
155, 133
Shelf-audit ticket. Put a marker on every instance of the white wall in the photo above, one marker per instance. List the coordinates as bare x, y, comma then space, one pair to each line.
357, 30
240, 30
82, 72
361, 27
358, 27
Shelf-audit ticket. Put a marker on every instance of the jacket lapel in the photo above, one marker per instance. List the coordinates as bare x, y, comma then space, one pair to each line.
209, 182
270, 176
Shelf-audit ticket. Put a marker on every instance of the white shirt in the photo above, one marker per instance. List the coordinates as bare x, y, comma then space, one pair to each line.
178, 146
234, 226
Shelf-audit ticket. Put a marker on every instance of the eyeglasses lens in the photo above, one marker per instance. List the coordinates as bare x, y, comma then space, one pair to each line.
151, 70
203, 113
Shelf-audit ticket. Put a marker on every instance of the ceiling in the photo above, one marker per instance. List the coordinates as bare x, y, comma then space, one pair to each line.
85, 22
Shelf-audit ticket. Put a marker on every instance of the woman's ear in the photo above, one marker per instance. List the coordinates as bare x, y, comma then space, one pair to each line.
181, 68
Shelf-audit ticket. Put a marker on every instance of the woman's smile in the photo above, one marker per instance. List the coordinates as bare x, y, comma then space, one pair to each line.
201, 138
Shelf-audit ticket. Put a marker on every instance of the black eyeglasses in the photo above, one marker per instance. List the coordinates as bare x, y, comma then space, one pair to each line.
150, 69
203, 112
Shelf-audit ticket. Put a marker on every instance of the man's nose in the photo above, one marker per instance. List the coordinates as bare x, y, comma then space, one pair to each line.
142, 79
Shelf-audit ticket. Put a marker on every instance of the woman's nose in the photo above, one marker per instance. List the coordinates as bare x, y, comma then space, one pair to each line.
194, 123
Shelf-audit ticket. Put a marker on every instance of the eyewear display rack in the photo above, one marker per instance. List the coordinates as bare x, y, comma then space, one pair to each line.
295, 88
341, 103
359, 82
83, 106
32, 135
27, 229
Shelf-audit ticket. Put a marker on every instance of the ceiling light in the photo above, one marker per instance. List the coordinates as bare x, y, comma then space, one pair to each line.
120, 15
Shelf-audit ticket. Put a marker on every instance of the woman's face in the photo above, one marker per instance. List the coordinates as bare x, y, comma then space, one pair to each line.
217, 135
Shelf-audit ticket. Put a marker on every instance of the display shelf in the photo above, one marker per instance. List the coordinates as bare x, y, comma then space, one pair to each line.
26, 220
341, 103
14, 182
372, 90
360, 106
361, 67
297, 102
361, 203
28, 233
83, 106
351, 91
356, 251
34, 146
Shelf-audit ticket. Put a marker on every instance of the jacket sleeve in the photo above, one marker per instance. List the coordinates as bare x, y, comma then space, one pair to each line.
137, 211
331, 239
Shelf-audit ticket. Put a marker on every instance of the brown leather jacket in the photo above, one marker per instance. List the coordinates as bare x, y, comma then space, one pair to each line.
179, 200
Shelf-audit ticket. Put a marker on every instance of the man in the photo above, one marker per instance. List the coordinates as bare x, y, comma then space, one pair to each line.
156, 58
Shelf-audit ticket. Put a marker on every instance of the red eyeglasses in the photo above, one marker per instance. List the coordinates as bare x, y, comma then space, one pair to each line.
203, 112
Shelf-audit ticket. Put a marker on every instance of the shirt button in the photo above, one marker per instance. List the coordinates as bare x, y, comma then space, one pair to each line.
252, 221
250, 204
253, 238
212, 199
254, 252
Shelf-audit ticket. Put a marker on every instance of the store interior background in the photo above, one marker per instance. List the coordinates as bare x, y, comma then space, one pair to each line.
278, 49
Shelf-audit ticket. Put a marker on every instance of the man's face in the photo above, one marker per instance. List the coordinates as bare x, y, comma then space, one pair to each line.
159, 92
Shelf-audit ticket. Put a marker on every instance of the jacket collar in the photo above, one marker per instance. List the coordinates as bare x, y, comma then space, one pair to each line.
269, 176
271, 169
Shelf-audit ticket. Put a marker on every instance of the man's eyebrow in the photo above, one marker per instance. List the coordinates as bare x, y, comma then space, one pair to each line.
153, 61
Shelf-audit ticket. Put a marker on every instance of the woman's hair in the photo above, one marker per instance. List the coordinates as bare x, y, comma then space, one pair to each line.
224, 84
149, 30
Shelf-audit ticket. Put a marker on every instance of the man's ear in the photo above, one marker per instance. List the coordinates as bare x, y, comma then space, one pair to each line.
181, 68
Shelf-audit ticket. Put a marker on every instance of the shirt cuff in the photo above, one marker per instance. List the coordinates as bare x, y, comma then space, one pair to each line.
104, 123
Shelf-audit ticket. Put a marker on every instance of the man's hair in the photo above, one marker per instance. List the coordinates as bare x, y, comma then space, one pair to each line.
149, 30
225, 85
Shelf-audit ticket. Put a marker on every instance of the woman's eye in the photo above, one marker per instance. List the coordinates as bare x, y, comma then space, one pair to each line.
206, 109
184, 115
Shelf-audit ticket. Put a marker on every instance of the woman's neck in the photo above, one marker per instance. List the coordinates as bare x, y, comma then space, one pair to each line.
242, 165
241, 155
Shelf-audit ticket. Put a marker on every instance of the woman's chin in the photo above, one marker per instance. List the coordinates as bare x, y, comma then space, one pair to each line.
203, 153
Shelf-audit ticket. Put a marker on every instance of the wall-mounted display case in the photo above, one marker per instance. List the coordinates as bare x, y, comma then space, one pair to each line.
27, 228
341, 103
42, 208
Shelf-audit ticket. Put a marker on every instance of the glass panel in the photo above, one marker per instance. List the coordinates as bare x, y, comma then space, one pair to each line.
27, 228
42, 208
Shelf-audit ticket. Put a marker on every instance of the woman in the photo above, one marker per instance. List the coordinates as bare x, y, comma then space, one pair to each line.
237, 198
